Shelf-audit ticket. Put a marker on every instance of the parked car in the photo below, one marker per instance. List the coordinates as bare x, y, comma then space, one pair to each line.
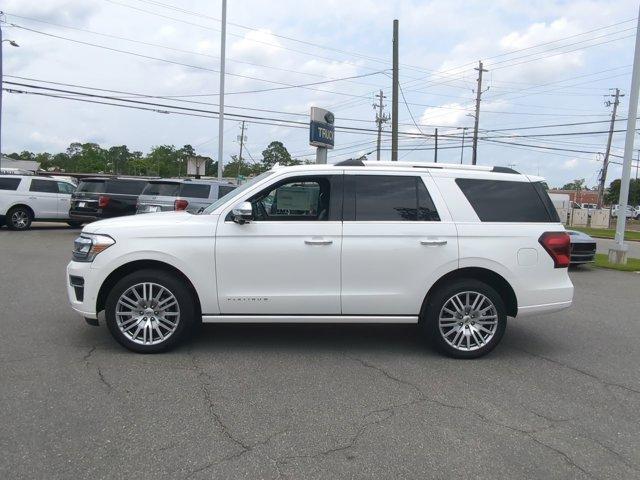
583, 247
630, 212
455, 249
25, 198
181, 194
637, 212
98, 198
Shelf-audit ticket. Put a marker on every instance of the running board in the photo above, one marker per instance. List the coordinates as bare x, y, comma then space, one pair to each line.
309, 319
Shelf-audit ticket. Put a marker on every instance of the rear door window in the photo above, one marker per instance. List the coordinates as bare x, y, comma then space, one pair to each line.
162, 189
506, 201
195, 190
393, 198
43, 186
224, 189
9, 183
125, 187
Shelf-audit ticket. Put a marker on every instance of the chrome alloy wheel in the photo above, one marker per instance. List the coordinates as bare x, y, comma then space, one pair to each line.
147, 313
468, 321
20, 219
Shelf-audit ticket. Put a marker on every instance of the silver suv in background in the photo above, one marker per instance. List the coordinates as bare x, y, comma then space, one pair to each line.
181, 194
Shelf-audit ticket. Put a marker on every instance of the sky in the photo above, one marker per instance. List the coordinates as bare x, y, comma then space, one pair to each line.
551, 64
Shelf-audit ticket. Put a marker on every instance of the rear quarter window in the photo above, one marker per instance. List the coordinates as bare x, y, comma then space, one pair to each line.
9, 183
224, 189
506, 201
195, 190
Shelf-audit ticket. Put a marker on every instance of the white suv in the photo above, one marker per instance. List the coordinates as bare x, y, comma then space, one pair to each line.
24, 198
452, 248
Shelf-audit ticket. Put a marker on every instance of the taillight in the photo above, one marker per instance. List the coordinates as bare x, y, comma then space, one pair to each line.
558, 246
103, 201
180, 205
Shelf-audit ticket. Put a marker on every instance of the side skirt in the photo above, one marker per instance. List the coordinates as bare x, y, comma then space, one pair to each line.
309, 319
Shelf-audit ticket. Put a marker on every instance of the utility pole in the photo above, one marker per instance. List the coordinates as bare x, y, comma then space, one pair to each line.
435, 152
223, 38
394, 96
618, 253
13, 44
241, 138
380, 119
464, 130
480, 70
605, 164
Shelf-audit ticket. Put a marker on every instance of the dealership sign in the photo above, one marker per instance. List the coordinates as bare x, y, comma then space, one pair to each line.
321, 128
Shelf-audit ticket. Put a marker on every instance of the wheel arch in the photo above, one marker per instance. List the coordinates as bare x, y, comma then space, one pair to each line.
33, 215
130, 267
491, 278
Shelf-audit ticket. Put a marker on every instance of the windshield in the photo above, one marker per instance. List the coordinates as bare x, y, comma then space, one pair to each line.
236, 192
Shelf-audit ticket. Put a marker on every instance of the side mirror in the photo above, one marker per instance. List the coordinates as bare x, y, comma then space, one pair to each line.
242, 213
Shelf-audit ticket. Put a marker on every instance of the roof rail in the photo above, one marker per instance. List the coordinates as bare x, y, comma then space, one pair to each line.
352, 162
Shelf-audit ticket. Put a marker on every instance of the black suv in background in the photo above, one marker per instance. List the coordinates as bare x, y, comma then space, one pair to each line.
98, 198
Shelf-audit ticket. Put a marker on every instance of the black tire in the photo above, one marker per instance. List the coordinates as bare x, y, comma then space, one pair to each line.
431, 324
74, 224
19, 218
172, 283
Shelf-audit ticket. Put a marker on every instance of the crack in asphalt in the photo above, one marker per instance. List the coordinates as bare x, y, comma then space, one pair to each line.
89, 363
244, 447
606, 383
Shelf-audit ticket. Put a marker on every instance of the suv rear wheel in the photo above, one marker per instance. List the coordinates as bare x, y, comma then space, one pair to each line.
466, 319
19, 218
149, 311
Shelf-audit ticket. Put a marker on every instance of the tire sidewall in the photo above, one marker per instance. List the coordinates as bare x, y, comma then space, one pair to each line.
9, 219
435, 304
172, 283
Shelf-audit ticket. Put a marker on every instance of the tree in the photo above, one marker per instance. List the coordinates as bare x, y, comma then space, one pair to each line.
577, 184
276, 152
612, 195
237, 167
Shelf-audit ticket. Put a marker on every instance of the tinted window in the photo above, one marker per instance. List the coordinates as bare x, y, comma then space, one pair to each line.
392, 198
45, 186
195, 190
9, 183
165, 189
503, 201
541, 190
89, 186
125, 187
224, 189
64, 187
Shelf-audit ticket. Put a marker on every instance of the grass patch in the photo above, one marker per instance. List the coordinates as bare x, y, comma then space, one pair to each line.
602, 261
607, 233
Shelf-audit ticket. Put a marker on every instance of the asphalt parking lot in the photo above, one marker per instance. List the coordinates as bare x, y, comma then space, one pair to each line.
558, 399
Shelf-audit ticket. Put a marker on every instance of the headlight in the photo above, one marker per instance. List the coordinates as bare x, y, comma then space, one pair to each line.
87, 246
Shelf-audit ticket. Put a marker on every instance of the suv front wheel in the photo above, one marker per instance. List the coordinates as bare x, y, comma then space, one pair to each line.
465, 319
149, 311
19, 218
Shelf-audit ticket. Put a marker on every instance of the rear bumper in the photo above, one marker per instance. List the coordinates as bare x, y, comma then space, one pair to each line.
542, 309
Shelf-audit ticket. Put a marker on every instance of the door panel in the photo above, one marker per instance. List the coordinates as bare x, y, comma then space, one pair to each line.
407, 242
286, 261
43, 198
282, 268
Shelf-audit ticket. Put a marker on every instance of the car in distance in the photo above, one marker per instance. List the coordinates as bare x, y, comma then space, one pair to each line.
181, 194
25, 198
455, 249
630, 211
99, 198
583, 248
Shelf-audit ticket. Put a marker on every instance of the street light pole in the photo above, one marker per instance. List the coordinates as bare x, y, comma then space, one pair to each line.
223, 38
13, 44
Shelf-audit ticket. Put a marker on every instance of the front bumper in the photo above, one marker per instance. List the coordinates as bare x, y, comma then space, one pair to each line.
83, 300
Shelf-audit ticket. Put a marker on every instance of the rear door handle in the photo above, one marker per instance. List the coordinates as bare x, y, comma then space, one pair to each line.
318, 241
436, 243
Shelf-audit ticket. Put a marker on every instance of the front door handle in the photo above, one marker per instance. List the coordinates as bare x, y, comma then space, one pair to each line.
33, 198
318, 241
437, 243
